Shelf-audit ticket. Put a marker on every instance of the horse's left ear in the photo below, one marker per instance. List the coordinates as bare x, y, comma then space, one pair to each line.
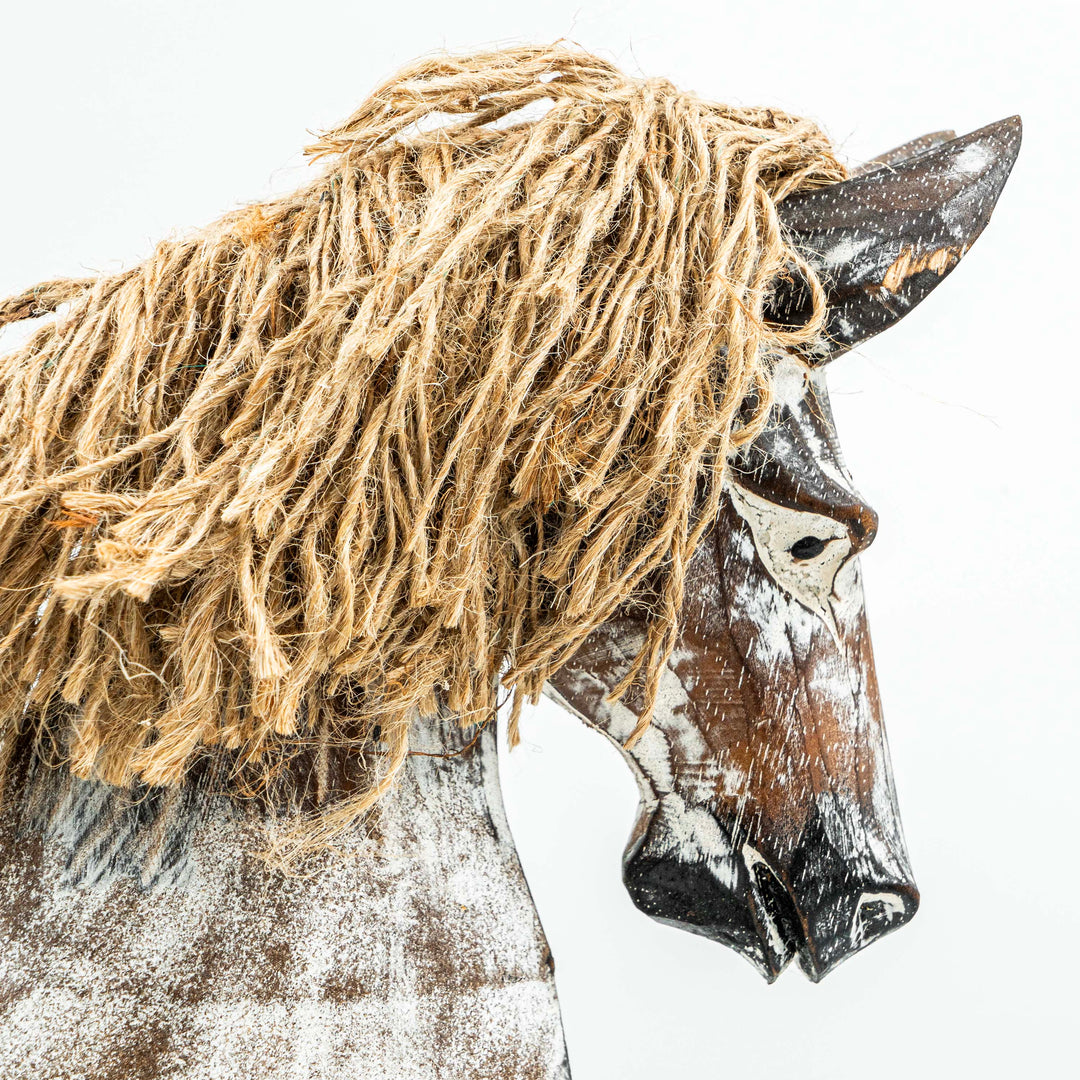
881, 241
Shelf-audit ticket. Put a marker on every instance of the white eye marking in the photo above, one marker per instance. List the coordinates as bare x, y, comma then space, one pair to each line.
803, 552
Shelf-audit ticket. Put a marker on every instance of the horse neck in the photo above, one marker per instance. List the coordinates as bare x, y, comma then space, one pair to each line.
414, 953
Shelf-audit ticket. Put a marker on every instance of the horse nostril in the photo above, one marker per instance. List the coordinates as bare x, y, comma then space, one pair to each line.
848, 921
876, 914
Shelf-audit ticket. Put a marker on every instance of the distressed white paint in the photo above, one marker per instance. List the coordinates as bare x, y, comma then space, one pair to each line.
417, 956
972, 160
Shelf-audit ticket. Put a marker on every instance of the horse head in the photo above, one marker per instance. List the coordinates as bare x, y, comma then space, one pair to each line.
768, 817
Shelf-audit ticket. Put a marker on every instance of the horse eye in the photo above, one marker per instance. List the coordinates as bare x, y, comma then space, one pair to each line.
807, 548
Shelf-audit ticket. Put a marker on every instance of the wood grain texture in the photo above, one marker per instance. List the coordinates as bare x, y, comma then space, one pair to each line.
416, 954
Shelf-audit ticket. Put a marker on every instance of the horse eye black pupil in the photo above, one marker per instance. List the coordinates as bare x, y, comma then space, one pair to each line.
807, 547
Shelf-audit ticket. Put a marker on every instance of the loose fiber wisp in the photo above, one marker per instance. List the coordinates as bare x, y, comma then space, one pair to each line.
376, 447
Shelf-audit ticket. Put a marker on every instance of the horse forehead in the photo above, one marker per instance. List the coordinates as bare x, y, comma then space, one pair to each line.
796, 461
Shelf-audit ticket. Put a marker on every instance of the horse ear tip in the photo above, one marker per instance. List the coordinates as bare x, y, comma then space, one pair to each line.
1008, 134
1017, 127
1010, 128
1012, 124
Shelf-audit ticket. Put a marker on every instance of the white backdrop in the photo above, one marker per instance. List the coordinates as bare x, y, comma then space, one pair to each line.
122, 122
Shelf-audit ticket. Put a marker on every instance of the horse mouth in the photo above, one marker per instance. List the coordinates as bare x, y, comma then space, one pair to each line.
780, 930
757, 918
787, 933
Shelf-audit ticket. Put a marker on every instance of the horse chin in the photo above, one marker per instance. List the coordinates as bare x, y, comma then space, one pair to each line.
688, 896
682, 870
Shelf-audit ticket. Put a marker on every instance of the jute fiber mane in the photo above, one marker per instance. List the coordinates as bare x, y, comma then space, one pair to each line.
411, 431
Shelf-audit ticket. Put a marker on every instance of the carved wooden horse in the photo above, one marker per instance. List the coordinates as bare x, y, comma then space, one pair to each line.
141, 937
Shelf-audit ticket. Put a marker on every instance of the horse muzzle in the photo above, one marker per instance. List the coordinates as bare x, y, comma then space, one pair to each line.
821, 899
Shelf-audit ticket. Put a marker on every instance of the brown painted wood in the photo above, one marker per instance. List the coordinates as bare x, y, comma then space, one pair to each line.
882, 241
905, 151
768, 819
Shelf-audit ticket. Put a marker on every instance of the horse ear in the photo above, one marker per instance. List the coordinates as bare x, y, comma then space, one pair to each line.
901, 153
883, 240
